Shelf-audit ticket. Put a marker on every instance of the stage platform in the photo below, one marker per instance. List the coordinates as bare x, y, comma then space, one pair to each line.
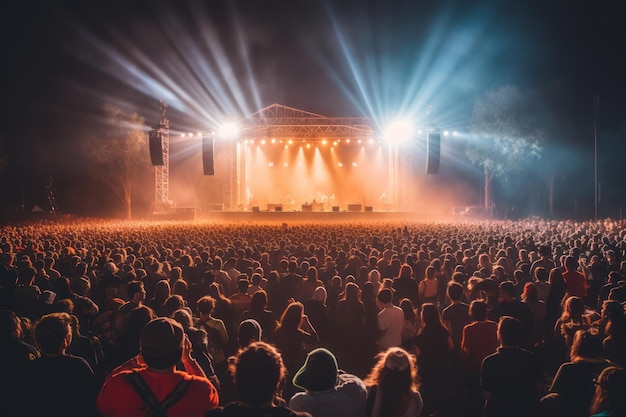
305, 217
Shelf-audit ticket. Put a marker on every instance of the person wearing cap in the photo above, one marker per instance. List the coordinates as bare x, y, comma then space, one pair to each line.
392, 386
249, 331
151, 381
328, 391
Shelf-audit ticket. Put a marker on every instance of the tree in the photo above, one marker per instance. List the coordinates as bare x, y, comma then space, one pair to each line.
508, 133
121, 155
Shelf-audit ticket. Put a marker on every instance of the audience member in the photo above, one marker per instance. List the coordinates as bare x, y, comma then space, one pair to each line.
392, 386
327, 391
259, 376
61, 384
157, 387
511, 377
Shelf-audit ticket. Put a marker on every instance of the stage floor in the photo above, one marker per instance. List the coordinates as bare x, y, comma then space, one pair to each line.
308, 217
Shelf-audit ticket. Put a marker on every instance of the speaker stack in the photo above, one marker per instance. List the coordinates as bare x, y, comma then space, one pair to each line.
155, 142
433, 151
208, 150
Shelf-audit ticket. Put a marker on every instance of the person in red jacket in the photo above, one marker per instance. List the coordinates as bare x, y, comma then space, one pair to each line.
150, 382
574, 280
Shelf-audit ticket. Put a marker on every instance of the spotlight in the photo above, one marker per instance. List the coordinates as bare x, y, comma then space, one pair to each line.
359, 141
308, 146
455, 133
324, 142
290, 141
446, 133
339, 164
286, 164
347, 140
262, 141
271, 164
273, 140
354, 164
399, 131
229, 130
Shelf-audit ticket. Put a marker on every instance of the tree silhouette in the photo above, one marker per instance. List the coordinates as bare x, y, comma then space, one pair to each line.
121, 155
507, 133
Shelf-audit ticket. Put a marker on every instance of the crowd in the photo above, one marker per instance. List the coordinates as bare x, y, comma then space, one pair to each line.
495, 318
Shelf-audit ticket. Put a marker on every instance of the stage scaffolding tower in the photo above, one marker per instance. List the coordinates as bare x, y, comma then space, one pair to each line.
162, 202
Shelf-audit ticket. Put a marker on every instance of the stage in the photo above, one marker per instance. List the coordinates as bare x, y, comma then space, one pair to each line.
300, 216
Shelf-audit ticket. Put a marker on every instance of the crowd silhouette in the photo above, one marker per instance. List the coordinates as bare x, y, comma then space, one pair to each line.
501, 318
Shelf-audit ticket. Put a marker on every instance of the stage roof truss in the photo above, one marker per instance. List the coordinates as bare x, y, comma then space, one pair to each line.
278, 121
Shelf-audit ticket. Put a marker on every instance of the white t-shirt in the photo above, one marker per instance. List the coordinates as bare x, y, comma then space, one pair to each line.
347, 399
390, 325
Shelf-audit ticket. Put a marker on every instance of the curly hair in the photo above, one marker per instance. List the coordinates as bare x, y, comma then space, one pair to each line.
394, 375
259, 373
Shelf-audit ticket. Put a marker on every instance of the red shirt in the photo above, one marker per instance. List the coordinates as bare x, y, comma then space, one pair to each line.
118, 398
576, 283
480, 340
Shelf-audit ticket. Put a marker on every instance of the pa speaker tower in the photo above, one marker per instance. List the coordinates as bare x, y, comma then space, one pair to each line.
433, 151
208, 162
156, 147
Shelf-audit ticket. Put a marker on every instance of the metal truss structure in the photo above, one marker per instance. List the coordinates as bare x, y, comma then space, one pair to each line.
162, 202
277, 121
274, 121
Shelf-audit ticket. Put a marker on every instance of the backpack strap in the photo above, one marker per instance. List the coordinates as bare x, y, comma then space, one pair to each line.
152, 404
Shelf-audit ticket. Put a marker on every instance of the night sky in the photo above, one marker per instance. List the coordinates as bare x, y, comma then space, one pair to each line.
62, 61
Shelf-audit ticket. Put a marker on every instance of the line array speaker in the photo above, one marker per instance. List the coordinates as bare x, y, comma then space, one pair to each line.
156, 147
433, 152
208, 160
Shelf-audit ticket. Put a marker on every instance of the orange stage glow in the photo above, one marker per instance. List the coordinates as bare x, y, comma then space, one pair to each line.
335, 176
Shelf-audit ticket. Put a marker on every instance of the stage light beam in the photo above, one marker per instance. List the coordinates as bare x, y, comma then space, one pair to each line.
229, 130
398, 131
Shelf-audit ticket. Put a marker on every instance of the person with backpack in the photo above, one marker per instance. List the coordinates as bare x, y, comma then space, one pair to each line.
151, 385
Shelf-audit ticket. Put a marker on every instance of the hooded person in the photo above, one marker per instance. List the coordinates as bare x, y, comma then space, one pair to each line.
152, 382
328, 392
249, 332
